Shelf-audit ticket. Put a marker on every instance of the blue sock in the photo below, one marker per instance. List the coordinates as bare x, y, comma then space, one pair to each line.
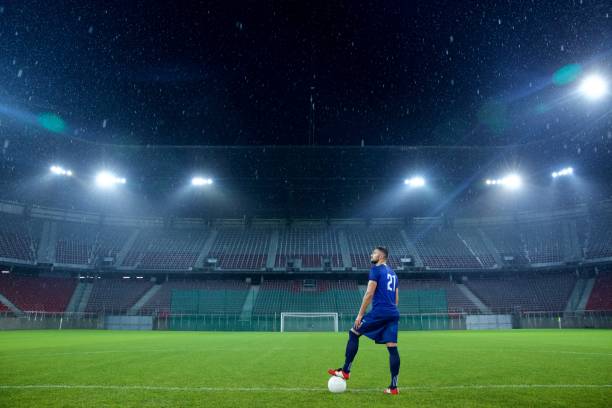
351, 351
394, 365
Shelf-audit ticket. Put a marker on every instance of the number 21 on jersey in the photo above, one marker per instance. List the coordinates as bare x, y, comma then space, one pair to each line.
391, 282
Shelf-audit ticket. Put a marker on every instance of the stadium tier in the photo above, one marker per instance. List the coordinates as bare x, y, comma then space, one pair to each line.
111, 240
601, 295
540, 292
36, 293
132, 244
198, 297
75, 243
116, 295
165, 249
443, 249
309, 245
16, 241
532, 293
599, 239
241, 248
506, 240
433, 296
544, 243
82, 244
300, 296
362, 240
475, 242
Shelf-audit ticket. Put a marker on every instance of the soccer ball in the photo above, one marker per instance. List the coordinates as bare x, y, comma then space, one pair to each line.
336, 384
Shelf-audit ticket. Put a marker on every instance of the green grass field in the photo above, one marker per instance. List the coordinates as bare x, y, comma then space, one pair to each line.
439, 368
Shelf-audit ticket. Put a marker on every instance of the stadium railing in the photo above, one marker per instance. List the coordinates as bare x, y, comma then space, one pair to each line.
271, 322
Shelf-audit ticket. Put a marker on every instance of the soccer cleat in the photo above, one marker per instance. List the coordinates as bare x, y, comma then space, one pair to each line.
339, 373
391, 391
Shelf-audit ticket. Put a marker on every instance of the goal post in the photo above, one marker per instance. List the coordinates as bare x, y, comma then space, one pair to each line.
294, 321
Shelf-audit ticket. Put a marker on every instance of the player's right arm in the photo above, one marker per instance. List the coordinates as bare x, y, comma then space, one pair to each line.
367, 299
396, 296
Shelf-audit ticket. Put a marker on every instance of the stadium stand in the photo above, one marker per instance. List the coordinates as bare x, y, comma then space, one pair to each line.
471, 244
310, 244
241, 248
474, 241
116, 295
582, 233
529, 293
543, 242
548, 292
601, 295
110, 241
162, 249
362, 240
599, 239
294, 296
15, 238
507, 240
443, 249
432, 296
37, 294
75, 243
198, 297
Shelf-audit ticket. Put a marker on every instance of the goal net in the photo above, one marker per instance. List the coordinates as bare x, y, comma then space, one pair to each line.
306, 322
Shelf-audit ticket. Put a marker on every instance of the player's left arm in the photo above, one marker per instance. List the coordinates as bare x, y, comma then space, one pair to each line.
367, 299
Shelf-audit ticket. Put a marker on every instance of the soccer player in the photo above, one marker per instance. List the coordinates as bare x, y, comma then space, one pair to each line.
381, 323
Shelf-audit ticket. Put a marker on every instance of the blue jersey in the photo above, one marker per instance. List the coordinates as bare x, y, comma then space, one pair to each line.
383, 303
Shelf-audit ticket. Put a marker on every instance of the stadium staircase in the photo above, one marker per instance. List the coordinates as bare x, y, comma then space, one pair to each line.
76, 297
208, 244
249, 302
144, 299
473, 298
344, 250
490, 247
575, 296
586, 294
418, 262
46, 246
10, 305
572, 244
586, 240
577, 236
470, 250
87, 289
126, 248
272, 249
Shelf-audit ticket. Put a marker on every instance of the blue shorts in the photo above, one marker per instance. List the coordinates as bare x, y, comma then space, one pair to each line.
381, 329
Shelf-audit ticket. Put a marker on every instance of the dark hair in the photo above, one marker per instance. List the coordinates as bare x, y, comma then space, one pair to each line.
384, 250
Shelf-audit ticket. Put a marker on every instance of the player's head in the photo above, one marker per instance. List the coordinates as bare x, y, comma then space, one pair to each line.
380, 253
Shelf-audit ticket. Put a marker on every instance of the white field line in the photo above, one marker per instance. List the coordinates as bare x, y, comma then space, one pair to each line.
292, 389
518, 350
203, 350
85, 352
577, 352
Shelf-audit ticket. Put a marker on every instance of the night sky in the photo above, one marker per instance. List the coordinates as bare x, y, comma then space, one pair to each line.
304, 108
303, 73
